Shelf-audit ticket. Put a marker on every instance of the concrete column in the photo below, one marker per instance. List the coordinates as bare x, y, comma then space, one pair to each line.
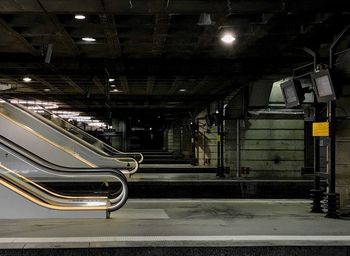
119, 141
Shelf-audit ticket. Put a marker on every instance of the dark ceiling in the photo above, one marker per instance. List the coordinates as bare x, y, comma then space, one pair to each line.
154, 48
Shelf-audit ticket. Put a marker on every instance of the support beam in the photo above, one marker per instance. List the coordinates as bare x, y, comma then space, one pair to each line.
124, 83
150, 84
98, 84
162, 25
53, 88
110, 29
10, 31
61, 32
65, 78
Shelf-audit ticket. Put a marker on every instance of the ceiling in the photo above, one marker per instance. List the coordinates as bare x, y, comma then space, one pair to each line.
154, 48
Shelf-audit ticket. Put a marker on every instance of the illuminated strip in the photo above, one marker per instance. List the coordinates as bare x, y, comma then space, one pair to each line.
49, 141
48, 191
49, 206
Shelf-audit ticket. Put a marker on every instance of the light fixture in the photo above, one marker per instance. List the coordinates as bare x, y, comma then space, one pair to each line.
113, 86
79, 17
88, 39
292, 92
228, 38
111, 79
47, 90
116, 90
205, 20
323, 86
182, 90
27, 79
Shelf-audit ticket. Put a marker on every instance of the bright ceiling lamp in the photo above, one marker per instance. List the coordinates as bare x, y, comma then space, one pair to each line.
228, 38
79, 17
111, 79
27, 79
88, 39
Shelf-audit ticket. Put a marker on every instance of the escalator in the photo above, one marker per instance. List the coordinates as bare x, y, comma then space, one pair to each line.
29, 176
74, 132
54, 144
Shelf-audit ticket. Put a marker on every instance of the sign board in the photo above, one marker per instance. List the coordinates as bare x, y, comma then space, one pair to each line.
320, 129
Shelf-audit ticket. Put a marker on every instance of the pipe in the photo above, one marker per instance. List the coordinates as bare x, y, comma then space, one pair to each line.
238, 149
336, 41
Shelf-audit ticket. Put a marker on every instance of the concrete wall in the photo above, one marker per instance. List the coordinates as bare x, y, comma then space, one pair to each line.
206, 146
178, 140
343, 152
272, 148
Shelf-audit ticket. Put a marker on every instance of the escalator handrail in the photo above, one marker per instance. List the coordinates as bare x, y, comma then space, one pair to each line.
117, 202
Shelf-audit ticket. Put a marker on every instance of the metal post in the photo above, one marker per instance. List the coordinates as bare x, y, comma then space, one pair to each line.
222, 134
316, 192
238, 148
331, 196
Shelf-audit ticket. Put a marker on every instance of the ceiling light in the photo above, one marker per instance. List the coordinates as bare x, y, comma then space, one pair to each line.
113, 86
205, 20
182, 90
79, 17
228, 38
116, 90
88, 39
27, 79
47, 89
111, 79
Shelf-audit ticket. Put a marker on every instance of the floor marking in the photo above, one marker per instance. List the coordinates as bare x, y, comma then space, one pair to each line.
263, 201
252, 238
151, 214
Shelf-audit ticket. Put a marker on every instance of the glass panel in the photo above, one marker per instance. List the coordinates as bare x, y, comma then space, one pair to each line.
81, 151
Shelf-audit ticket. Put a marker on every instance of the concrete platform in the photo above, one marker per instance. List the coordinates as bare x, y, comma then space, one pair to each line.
203, 227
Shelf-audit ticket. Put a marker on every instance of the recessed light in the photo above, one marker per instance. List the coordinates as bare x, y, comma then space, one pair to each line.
116, 90
228, 38
27, 79
182, 90
47, 90
113, 86
79, 17
88, 39
111, 79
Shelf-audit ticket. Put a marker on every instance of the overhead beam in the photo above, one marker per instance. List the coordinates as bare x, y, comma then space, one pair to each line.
161, 28
98, 84
66, 78
63, 35
53, 88
10, 31
124, 83
110, 29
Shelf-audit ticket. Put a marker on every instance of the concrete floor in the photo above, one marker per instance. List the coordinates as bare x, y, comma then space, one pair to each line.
184, 223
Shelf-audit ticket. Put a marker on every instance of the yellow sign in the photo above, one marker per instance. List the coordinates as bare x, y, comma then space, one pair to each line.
320, 129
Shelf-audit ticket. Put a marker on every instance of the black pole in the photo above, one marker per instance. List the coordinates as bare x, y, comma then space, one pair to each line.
316, 192
220, 168
222, 136
331, 195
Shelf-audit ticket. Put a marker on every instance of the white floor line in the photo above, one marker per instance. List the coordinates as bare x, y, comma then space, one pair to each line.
252, 238
262, 201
